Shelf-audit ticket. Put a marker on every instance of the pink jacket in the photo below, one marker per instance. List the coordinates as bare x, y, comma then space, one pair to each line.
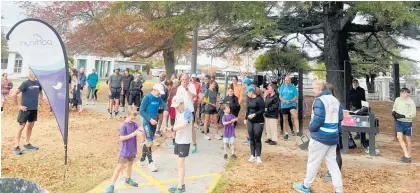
6, 86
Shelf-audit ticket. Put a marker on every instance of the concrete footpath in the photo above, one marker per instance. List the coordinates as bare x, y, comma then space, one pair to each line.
203, 169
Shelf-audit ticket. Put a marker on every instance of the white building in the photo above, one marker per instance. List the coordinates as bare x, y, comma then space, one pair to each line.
104, 65
12, 65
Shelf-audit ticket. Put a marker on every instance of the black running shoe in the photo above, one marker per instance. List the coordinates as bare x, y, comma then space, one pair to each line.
286, 137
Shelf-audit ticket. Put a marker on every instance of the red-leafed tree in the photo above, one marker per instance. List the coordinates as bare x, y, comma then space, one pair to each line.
141, 29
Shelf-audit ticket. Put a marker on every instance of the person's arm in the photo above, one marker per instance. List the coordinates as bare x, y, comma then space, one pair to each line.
319, 116
247, 110
412, 111
164, 105
240, 97
15, 96
224, 121
280, 97
131, 86
109, 83
41, 94
184, 123
123, 130
274, 105
143, 108
261, 107
296, 94
363, 94
122, 84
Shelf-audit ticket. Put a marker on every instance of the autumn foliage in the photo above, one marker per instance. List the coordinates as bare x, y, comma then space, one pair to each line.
93, 28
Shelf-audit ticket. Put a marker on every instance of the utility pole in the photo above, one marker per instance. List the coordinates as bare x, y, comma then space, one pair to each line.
194, 51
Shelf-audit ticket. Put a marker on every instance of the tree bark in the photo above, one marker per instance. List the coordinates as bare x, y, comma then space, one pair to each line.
169, 60
336, 51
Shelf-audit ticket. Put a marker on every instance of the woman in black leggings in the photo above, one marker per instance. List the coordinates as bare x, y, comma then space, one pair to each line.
327, 176
254, 119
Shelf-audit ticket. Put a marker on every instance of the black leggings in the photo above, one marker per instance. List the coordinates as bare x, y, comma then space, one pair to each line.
95, 94
289, 119
124, 97
255, 131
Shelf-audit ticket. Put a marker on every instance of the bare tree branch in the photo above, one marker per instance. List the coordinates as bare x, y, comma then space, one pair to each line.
314, 42
390, 53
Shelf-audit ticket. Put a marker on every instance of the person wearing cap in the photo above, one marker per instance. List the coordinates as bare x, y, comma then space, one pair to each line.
254, 119
115, 85
404, 111
183, 138
92, 81
189, 93
149, 111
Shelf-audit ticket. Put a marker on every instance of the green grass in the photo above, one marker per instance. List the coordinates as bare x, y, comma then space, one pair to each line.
223, 182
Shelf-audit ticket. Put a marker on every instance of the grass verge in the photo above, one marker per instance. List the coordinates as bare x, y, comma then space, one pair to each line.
223, 183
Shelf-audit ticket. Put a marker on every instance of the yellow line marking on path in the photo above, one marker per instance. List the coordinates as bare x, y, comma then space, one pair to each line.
151, 179
102, 186
189, 178
214, 183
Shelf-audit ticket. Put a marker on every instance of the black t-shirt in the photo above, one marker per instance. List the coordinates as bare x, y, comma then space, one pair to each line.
30, 94
127, 80
255, 105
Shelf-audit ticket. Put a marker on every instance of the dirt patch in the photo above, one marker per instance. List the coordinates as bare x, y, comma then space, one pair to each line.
92, 150
286, 163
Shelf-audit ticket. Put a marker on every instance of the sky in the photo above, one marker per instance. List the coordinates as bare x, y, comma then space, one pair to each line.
12, 14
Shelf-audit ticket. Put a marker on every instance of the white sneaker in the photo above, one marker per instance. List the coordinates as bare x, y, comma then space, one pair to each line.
207, 137
152, 167
259, 160
251, 159
217, 136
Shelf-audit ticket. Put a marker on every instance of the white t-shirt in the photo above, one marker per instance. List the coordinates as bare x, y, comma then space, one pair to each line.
188, 101
184, 136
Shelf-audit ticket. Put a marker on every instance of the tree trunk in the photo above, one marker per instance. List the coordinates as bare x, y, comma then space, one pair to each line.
336, 51
169, 60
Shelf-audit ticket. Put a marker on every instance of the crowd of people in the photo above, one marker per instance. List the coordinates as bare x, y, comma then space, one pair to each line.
180, 107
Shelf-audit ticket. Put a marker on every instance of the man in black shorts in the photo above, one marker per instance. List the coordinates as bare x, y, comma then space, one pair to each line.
115, 84
28, 111
183, 139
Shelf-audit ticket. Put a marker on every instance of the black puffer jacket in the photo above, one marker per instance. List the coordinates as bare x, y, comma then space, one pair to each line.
272, 106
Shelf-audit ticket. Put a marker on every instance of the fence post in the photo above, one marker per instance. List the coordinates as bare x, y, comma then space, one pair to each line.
396, 68
300, 102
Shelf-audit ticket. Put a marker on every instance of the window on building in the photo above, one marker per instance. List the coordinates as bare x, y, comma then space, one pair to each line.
18, 64
4, 63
